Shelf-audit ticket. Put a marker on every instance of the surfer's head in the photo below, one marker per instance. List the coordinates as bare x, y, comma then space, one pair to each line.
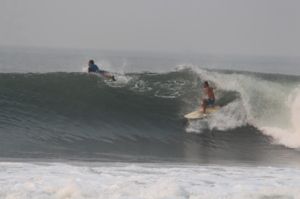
205, 85
91, 62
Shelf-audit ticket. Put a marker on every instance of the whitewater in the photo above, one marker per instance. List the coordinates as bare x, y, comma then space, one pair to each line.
68, 134
178, 181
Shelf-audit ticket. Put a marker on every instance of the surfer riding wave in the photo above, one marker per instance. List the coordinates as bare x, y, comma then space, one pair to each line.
209, 98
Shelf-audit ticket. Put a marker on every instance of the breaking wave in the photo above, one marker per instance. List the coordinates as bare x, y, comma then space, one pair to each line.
73, 113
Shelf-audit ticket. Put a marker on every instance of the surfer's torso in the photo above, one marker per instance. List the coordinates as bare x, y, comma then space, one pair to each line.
209, 93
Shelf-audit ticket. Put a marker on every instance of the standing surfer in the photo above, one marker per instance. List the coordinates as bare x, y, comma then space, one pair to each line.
209, 97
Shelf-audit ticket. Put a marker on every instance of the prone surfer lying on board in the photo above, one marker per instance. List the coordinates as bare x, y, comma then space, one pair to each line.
93, 68
209, 97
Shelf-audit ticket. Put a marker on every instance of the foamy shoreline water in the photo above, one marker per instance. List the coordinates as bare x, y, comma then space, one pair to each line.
140, 180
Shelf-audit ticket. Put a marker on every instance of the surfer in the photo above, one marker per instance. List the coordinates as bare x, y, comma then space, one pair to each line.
93, 68
209, 97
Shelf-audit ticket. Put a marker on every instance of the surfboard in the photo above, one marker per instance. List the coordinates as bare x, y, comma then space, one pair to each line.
105, 75
199, 115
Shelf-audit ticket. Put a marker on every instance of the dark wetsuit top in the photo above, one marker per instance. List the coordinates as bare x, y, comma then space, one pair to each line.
93, 68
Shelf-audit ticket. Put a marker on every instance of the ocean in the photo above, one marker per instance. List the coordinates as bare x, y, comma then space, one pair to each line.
69, 134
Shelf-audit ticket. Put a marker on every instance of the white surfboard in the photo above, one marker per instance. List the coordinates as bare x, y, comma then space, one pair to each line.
199, 115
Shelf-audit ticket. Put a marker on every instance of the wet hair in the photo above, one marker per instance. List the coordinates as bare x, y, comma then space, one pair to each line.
91, 61
206, 83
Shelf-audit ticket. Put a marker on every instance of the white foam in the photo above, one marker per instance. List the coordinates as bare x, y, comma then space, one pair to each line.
145, 181
289, 136
121, 81
229, 117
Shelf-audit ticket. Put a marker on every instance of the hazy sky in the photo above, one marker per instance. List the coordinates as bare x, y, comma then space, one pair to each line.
260, 27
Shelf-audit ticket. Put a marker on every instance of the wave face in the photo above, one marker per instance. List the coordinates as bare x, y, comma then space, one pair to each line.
140, 117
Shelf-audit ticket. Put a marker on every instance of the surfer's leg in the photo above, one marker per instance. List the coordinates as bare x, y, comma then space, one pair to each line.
210, 103
204, 105
107, 75
102, 73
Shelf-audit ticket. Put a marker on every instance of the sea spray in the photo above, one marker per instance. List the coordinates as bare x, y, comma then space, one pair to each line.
290, 135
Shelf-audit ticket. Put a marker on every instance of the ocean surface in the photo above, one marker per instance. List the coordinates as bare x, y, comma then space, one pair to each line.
65, 133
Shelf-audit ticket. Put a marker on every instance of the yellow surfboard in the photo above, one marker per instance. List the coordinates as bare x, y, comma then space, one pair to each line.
199, 115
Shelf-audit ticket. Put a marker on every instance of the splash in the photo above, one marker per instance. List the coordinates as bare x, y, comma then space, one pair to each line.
229, 117
289, 136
